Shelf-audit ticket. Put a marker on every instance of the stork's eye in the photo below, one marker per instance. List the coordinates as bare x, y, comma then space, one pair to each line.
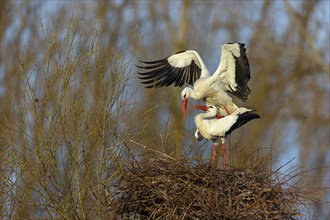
210, 106
184, 96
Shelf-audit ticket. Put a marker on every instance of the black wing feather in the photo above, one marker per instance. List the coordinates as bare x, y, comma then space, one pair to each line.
160, 73
173, 79
155, 61
155, 74
180, 80
242, 120
242, 74
162, 80
172, 76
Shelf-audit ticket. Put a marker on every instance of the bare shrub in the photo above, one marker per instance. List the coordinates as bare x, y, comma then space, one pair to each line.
58, 149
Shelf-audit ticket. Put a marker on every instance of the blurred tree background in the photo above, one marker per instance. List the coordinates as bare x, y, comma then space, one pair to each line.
71, 102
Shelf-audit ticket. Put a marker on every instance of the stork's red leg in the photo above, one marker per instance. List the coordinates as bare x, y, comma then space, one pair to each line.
214, 154
224, 155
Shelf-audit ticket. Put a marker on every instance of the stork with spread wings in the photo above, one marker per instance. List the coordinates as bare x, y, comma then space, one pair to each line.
187, 67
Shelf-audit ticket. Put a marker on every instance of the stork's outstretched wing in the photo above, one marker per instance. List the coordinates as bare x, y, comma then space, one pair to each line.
234, 70
181, 68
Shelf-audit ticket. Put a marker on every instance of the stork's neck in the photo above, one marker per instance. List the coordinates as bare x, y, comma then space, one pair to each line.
210, 114
202, 123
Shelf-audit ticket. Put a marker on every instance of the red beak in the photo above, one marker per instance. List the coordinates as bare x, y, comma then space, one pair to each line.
184, 108
201, 107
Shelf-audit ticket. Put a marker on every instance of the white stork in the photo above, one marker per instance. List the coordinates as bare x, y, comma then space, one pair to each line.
211, 128
187, 67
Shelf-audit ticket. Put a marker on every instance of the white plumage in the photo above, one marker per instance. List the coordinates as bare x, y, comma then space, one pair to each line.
187, 67
211, 128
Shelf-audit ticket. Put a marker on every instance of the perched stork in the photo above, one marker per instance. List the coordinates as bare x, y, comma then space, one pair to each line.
211, 128
187, 67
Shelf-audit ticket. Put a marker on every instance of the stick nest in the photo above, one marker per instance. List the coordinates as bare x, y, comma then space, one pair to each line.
169, 189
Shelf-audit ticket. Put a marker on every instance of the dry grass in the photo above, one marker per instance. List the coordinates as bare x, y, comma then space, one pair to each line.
164, 188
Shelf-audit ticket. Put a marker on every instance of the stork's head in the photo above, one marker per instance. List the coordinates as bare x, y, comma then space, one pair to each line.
185, 94
213, 110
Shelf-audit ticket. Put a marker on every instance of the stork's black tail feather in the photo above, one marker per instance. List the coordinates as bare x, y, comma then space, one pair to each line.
242, 120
